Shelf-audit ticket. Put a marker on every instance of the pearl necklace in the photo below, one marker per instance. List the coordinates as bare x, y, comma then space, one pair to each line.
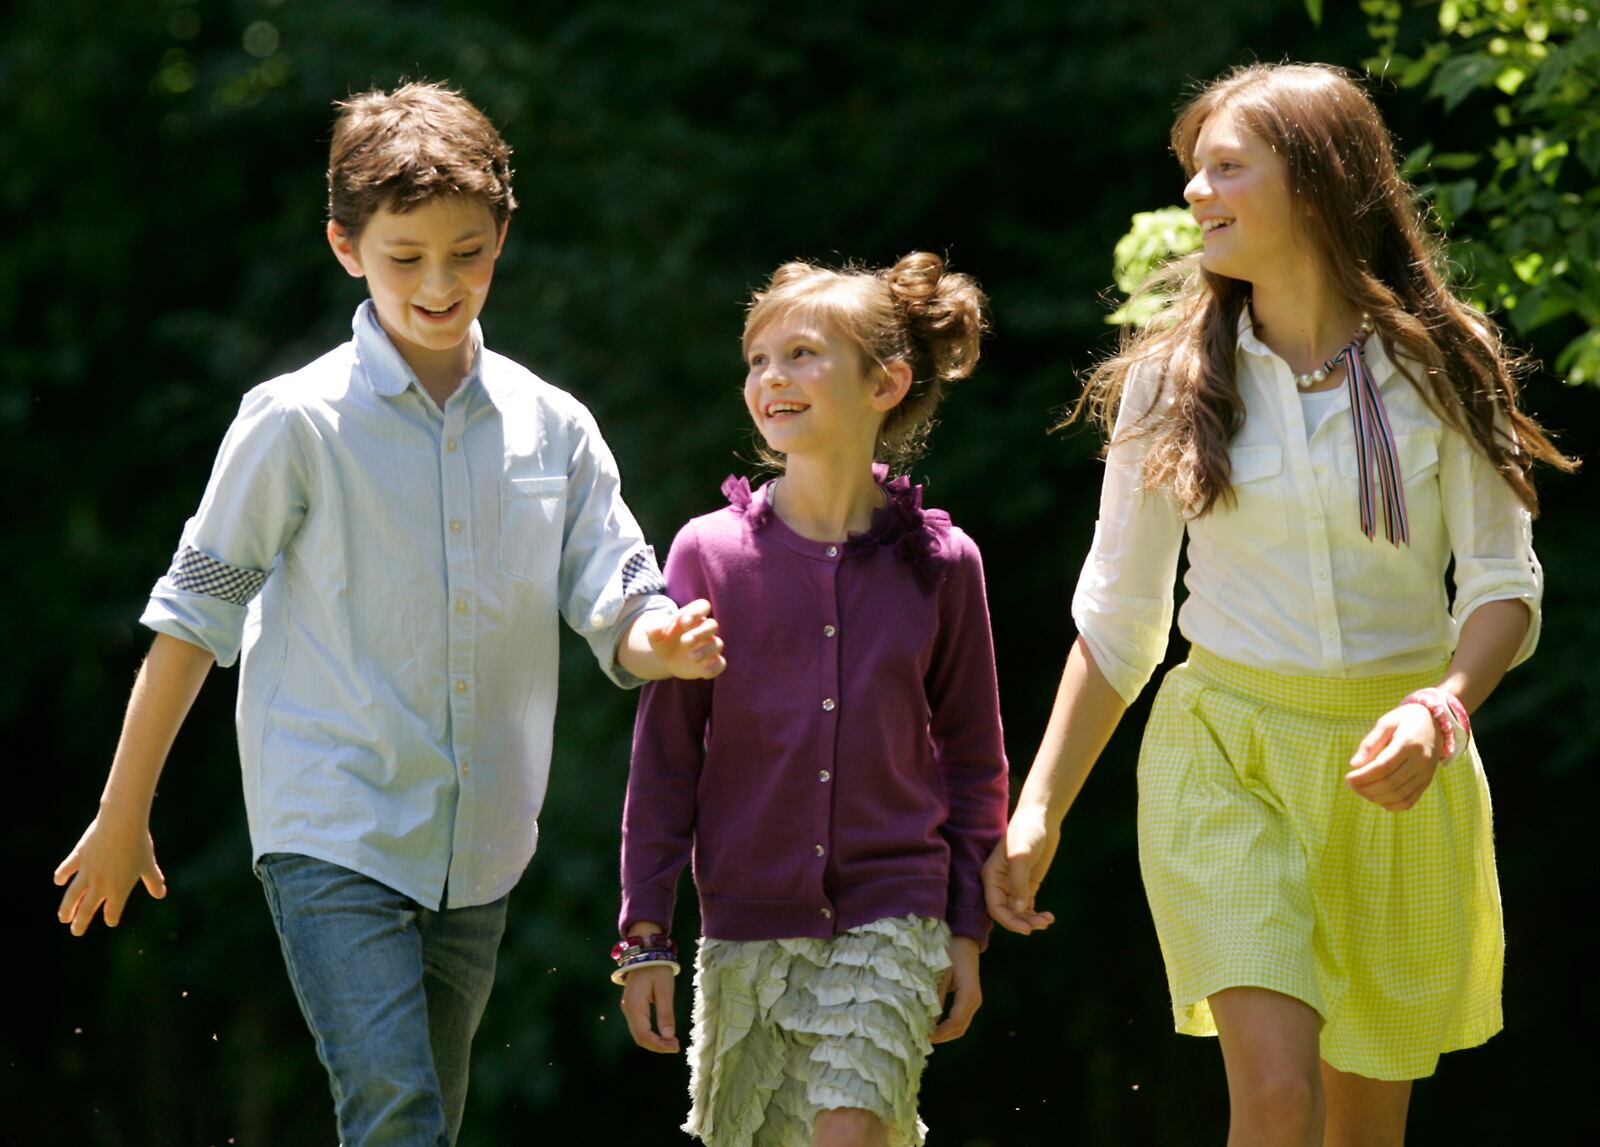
1320, 375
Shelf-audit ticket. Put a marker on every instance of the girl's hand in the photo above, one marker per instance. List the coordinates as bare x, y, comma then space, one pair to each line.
1394, 763
647, 989
113, 855
961, 977
1016, 868
687, 643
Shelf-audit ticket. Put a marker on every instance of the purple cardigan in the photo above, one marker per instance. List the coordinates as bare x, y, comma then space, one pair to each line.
848, 766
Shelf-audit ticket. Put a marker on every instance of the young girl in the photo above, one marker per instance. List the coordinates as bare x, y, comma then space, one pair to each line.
841, 785
1330, 427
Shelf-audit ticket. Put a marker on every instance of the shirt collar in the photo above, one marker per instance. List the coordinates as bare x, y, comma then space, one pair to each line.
1378, 361
386, 370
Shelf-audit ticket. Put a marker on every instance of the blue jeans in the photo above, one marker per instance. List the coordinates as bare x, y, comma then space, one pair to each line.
392, 991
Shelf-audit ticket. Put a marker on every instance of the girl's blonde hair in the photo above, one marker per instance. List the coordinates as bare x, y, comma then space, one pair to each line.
914, 312
1362, 219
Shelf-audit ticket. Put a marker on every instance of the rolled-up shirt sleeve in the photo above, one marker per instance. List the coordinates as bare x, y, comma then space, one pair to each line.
253, 504
608, 574
1123, 603
1491, 538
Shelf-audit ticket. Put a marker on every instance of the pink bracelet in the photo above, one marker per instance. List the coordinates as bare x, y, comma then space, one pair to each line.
1449, 716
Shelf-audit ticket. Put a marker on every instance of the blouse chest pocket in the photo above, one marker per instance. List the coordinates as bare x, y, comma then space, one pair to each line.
1258, 518
1419, 457
531, 520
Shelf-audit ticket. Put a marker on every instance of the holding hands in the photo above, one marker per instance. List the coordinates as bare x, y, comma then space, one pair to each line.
684, 644
1016, 868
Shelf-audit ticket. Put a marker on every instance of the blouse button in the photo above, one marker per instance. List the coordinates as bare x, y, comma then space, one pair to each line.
827, 913
828, 631
455, 525
827, 705
832, 551
461, 686
449, 445
824, 776
821, 851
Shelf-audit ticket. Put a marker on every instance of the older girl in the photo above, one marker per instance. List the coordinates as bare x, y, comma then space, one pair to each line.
1330, 427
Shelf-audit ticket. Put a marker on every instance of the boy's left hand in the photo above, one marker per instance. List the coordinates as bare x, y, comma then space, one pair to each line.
961, 977
686, 643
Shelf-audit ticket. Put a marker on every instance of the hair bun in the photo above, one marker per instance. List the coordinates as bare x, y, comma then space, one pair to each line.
944, 311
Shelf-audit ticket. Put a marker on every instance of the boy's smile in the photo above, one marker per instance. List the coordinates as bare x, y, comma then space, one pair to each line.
429, 272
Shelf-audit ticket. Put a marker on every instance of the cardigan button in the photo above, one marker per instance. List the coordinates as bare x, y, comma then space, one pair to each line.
832, 551
828, 631
828, 705
827, 913
824, 776
821, 851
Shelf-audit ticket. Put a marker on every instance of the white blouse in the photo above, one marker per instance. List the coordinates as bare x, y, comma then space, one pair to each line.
1284, 579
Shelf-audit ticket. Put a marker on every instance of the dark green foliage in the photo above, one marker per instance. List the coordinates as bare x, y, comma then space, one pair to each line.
161, 176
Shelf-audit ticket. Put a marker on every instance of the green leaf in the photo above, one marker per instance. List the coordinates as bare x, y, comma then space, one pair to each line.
1458, 78
1456, 160
1314, 10
1458, 197
1579, 361
1589, 152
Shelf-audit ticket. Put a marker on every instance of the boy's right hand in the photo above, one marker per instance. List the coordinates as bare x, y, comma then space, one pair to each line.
1016, 868
647, 989
112, 855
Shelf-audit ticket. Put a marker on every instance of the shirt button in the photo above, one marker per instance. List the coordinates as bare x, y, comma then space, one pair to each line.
1322, 575
832, 551
824, 776
455, 525
827, 913
827, 705
1331, 632
449, 445
1314, 516
466, 770
597, 620
461, 686
828, 631
821, 851
461, 605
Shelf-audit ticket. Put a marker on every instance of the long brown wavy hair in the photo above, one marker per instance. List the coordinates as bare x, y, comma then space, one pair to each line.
1363, 221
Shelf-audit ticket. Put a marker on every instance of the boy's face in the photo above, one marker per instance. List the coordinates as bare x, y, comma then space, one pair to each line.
429, 272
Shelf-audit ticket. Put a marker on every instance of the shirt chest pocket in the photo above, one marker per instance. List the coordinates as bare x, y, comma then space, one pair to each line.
531, 519
1258, 518
1419, 458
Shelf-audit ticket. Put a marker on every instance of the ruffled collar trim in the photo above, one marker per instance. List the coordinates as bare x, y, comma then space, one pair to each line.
918, 536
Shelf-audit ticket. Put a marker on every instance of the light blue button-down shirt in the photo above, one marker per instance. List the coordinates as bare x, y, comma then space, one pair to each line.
393, 574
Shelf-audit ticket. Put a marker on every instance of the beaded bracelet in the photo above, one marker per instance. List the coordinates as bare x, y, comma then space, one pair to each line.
622, 948
1449, 716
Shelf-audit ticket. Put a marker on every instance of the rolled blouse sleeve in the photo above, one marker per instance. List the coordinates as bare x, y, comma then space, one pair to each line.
1124, 600
1491, 538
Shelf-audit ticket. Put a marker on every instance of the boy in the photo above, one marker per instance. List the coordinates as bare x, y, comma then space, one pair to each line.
389, 534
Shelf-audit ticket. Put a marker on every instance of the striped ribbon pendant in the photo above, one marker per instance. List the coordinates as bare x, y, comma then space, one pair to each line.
1377, 459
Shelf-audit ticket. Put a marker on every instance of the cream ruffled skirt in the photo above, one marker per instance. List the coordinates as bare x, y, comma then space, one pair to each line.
784, 1029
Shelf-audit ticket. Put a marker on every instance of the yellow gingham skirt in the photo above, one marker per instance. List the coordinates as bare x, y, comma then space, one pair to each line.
1263, 869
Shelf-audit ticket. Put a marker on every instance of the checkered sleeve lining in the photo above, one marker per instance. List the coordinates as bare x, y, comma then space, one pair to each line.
195, 572
641, 575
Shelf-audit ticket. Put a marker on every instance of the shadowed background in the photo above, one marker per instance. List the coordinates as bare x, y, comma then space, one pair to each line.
161, 168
